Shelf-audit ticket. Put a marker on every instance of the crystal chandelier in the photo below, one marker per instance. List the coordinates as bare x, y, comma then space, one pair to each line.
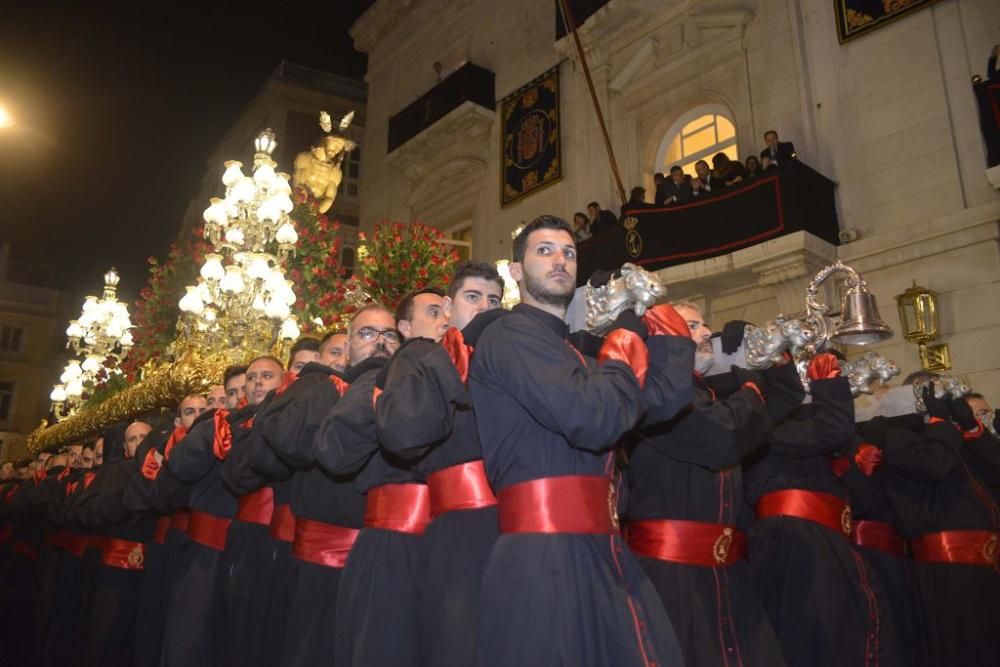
242, 301
101, 338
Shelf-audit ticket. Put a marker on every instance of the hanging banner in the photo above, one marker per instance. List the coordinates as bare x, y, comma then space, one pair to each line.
857, 17
532, 157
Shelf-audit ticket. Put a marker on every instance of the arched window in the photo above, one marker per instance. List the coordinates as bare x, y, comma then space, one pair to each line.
697, 135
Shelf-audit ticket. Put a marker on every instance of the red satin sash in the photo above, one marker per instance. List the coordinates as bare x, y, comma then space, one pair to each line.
150, 468
24, 549
627, 347
60, 539
687, 542
970, 547
123, 554
78, 545
222, 441
179, 433
322, 543
567, 504
180, 520
823, 508
341, 385
95, 542
286, 381
877, 535
405, 508
460, 487
460, 353
257, 507
283, 523
208, 530
160, 531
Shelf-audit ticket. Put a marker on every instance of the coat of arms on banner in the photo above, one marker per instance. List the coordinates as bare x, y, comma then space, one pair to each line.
531, 148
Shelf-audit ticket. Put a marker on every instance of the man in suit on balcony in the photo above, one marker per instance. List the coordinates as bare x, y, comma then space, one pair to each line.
600, 219
780, 152
675, 190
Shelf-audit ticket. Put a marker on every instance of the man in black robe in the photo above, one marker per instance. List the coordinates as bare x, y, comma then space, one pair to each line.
560, 586
48, 498
254, 568
328, 509
818, 593
936, 476
424, 413
192, 635
378, 589
155, 588
59, 646
112, 613
22, 536
686, 515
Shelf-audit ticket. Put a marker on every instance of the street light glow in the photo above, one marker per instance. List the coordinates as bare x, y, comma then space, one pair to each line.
5, 118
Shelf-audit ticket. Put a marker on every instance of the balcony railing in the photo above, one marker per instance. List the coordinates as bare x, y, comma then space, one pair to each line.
795, 198
469, 83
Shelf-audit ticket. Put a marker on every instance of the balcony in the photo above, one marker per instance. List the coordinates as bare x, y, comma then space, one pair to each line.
468, 84
796, 199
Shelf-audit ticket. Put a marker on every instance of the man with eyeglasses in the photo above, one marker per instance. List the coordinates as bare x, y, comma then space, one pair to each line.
378, 590
325, 512
424, 415
560, 586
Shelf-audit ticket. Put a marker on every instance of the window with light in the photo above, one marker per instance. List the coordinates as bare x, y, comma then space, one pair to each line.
698, 135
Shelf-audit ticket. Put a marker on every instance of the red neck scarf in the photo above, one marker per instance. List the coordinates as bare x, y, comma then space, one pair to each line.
175, 437
460, 353
223, 439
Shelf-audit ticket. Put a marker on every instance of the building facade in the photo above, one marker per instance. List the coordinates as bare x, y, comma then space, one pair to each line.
30, 331
889, 116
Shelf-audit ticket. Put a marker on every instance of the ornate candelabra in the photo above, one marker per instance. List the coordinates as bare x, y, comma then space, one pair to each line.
100, 338
242, 302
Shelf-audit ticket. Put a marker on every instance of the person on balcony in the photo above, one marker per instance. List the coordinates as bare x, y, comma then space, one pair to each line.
676, 189
581, 227
636, 200
728, 171
780, 152
753, 168
601, 219
710, 183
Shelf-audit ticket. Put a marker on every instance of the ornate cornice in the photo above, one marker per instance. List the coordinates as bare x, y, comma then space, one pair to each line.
379, 19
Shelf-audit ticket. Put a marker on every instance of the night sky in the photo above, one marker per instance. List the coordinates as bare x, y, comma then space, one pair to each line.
118, 111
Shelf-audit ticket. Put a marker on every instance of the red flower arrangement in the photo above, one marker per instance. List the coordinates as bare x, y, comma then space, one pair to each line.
399, 258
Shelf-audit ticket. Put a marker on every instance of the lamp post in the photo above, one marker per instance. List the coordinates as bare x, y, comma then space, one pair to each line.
918, 314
